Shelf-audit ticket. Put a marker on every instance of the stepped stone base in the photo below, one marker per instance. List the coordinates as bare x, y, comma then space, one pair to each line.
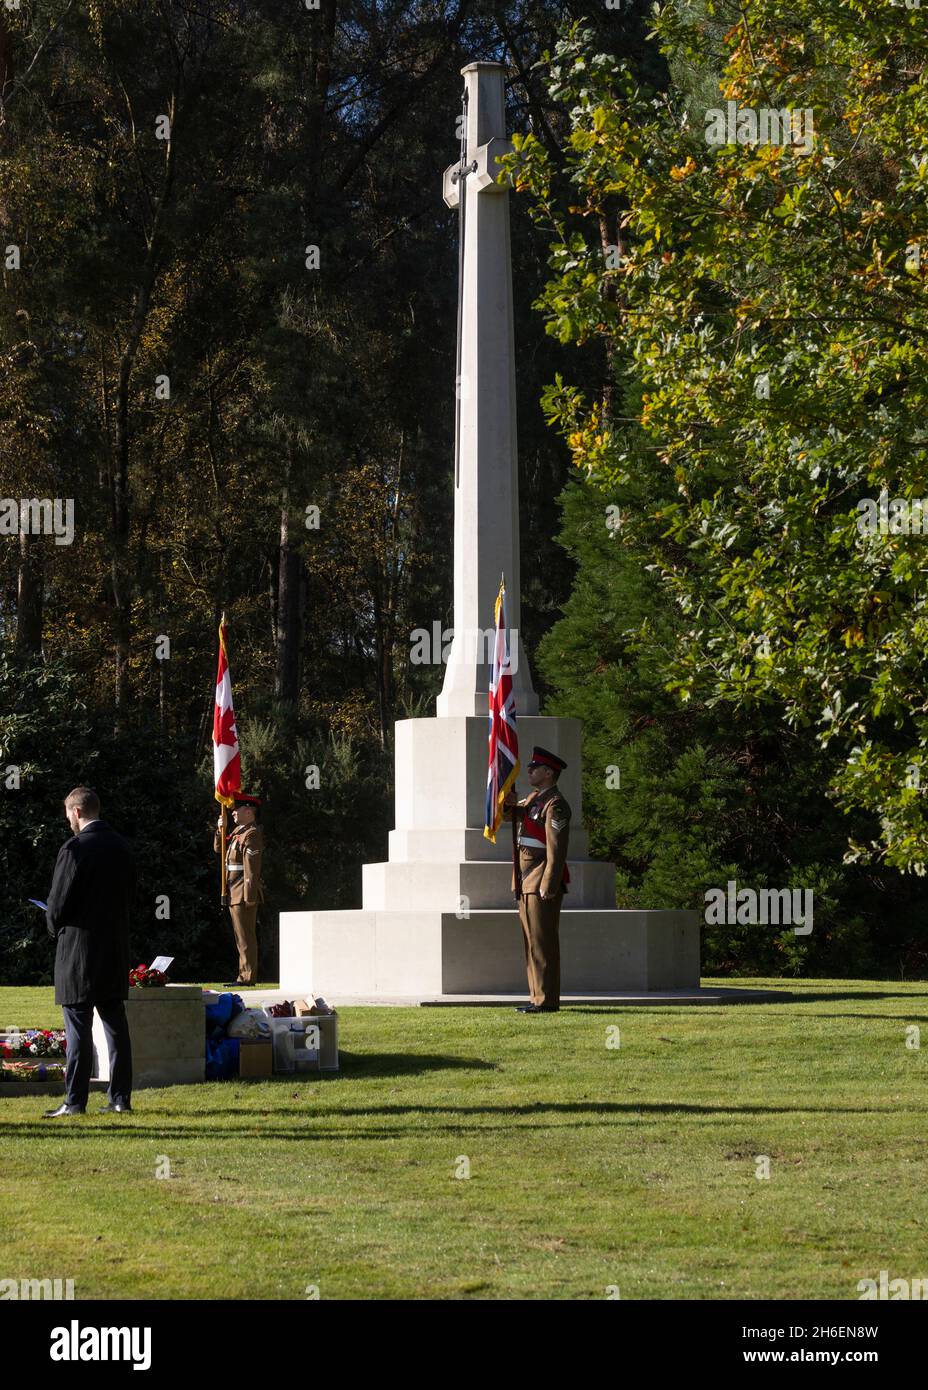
474, 884
401, 953
438, 917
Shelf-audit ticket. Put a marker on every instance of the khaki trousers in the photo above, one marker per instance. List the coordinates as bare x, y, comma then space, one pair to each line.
246, 939
540, 918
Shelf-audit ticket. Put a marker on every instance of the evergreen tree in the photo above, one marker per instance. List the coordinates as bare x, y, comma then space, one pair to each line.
687, 797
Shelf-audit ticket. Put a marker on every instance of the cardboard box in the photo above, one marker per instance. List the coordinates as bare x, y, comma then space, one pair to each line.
311, 1008
256, 1057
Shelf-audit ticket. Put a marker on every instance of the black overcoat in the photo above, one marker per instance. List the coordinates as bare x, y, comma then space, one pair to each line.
89, 906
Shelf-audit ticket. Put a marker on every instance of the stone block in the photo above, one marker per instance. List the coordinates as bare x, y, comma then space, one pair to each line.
167, 1029
428, 953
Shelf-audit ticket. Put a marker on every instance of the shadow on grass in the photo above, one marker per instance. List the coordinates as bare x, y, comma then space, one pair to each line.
877, 1018
361, 1064
220, 1129
822, 997
767, 1002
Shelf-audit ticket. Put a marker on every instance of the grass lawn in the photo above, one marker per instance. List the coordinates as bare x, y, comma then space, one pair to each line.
590, 1166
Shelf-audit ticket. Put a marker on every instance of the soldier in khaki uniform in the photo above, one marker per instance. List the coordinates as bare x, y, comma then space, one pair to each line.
244, 849
540, 876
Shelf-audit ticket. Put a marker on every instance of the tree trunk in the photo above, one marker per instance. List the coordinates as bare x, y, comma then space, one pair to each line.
380, 664
119, 475
289, 616
29, 596
7, 64
320, 77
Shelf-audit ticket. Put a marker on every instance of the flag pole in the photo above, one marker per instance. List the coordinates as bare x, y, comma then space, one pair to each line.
516, 869
224, 895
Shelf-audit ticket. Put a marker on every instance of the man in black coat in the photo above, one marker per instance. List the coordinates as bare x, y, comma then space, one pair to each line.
88, 916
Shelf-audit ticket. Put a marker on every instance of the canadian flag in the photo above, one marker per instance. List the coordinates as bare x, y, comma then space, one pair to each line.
227, 764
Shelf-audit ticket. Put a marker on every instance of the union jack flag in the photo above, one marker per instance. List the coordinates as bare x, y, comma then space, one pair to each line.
504, 740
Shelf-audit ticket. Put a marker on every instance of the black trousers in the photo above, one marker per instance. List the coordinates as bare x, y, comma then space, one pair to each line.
78, 1027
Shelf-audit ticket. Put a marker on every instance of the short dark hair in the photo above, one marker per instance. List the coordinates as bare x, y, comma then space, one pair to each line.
86, 801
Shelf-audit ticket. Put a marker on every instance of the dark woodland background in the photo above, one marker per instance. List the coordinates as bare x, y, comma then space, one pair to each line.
289, 387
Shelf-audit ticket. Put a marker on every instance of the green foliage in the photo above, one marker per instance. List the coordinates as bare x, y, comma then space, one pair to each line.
50, 736
683, 800
765, 315
318, 836
143, 258
151, 793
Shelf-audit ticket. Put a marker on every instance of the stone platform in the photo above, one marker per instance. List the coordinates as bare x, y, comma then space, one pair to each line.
618, 1000
438, 917
431, 953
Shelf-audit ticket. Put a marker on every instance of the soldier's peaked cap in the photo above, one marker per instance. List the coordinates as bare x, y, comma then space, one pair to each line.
547, 759
242, 799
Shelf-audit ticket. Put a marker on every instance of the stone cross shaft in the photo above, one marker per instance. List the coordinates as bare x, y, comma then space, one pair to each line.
486, 499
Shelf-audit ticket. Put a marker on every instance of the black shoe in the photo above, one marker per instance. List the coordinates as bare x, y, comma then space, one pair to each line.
116, 1106
65, 1109
538, 1009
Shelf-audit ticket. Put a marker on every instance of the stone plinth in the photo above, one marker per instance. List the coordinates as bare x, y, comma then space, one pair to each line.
476, 884
440, 768
439, 917
167, 1027
429, 953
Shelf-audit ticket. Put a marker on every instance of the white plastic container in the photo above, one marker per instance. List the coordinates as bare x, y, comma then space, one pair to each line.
291, 1035
296, 1044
